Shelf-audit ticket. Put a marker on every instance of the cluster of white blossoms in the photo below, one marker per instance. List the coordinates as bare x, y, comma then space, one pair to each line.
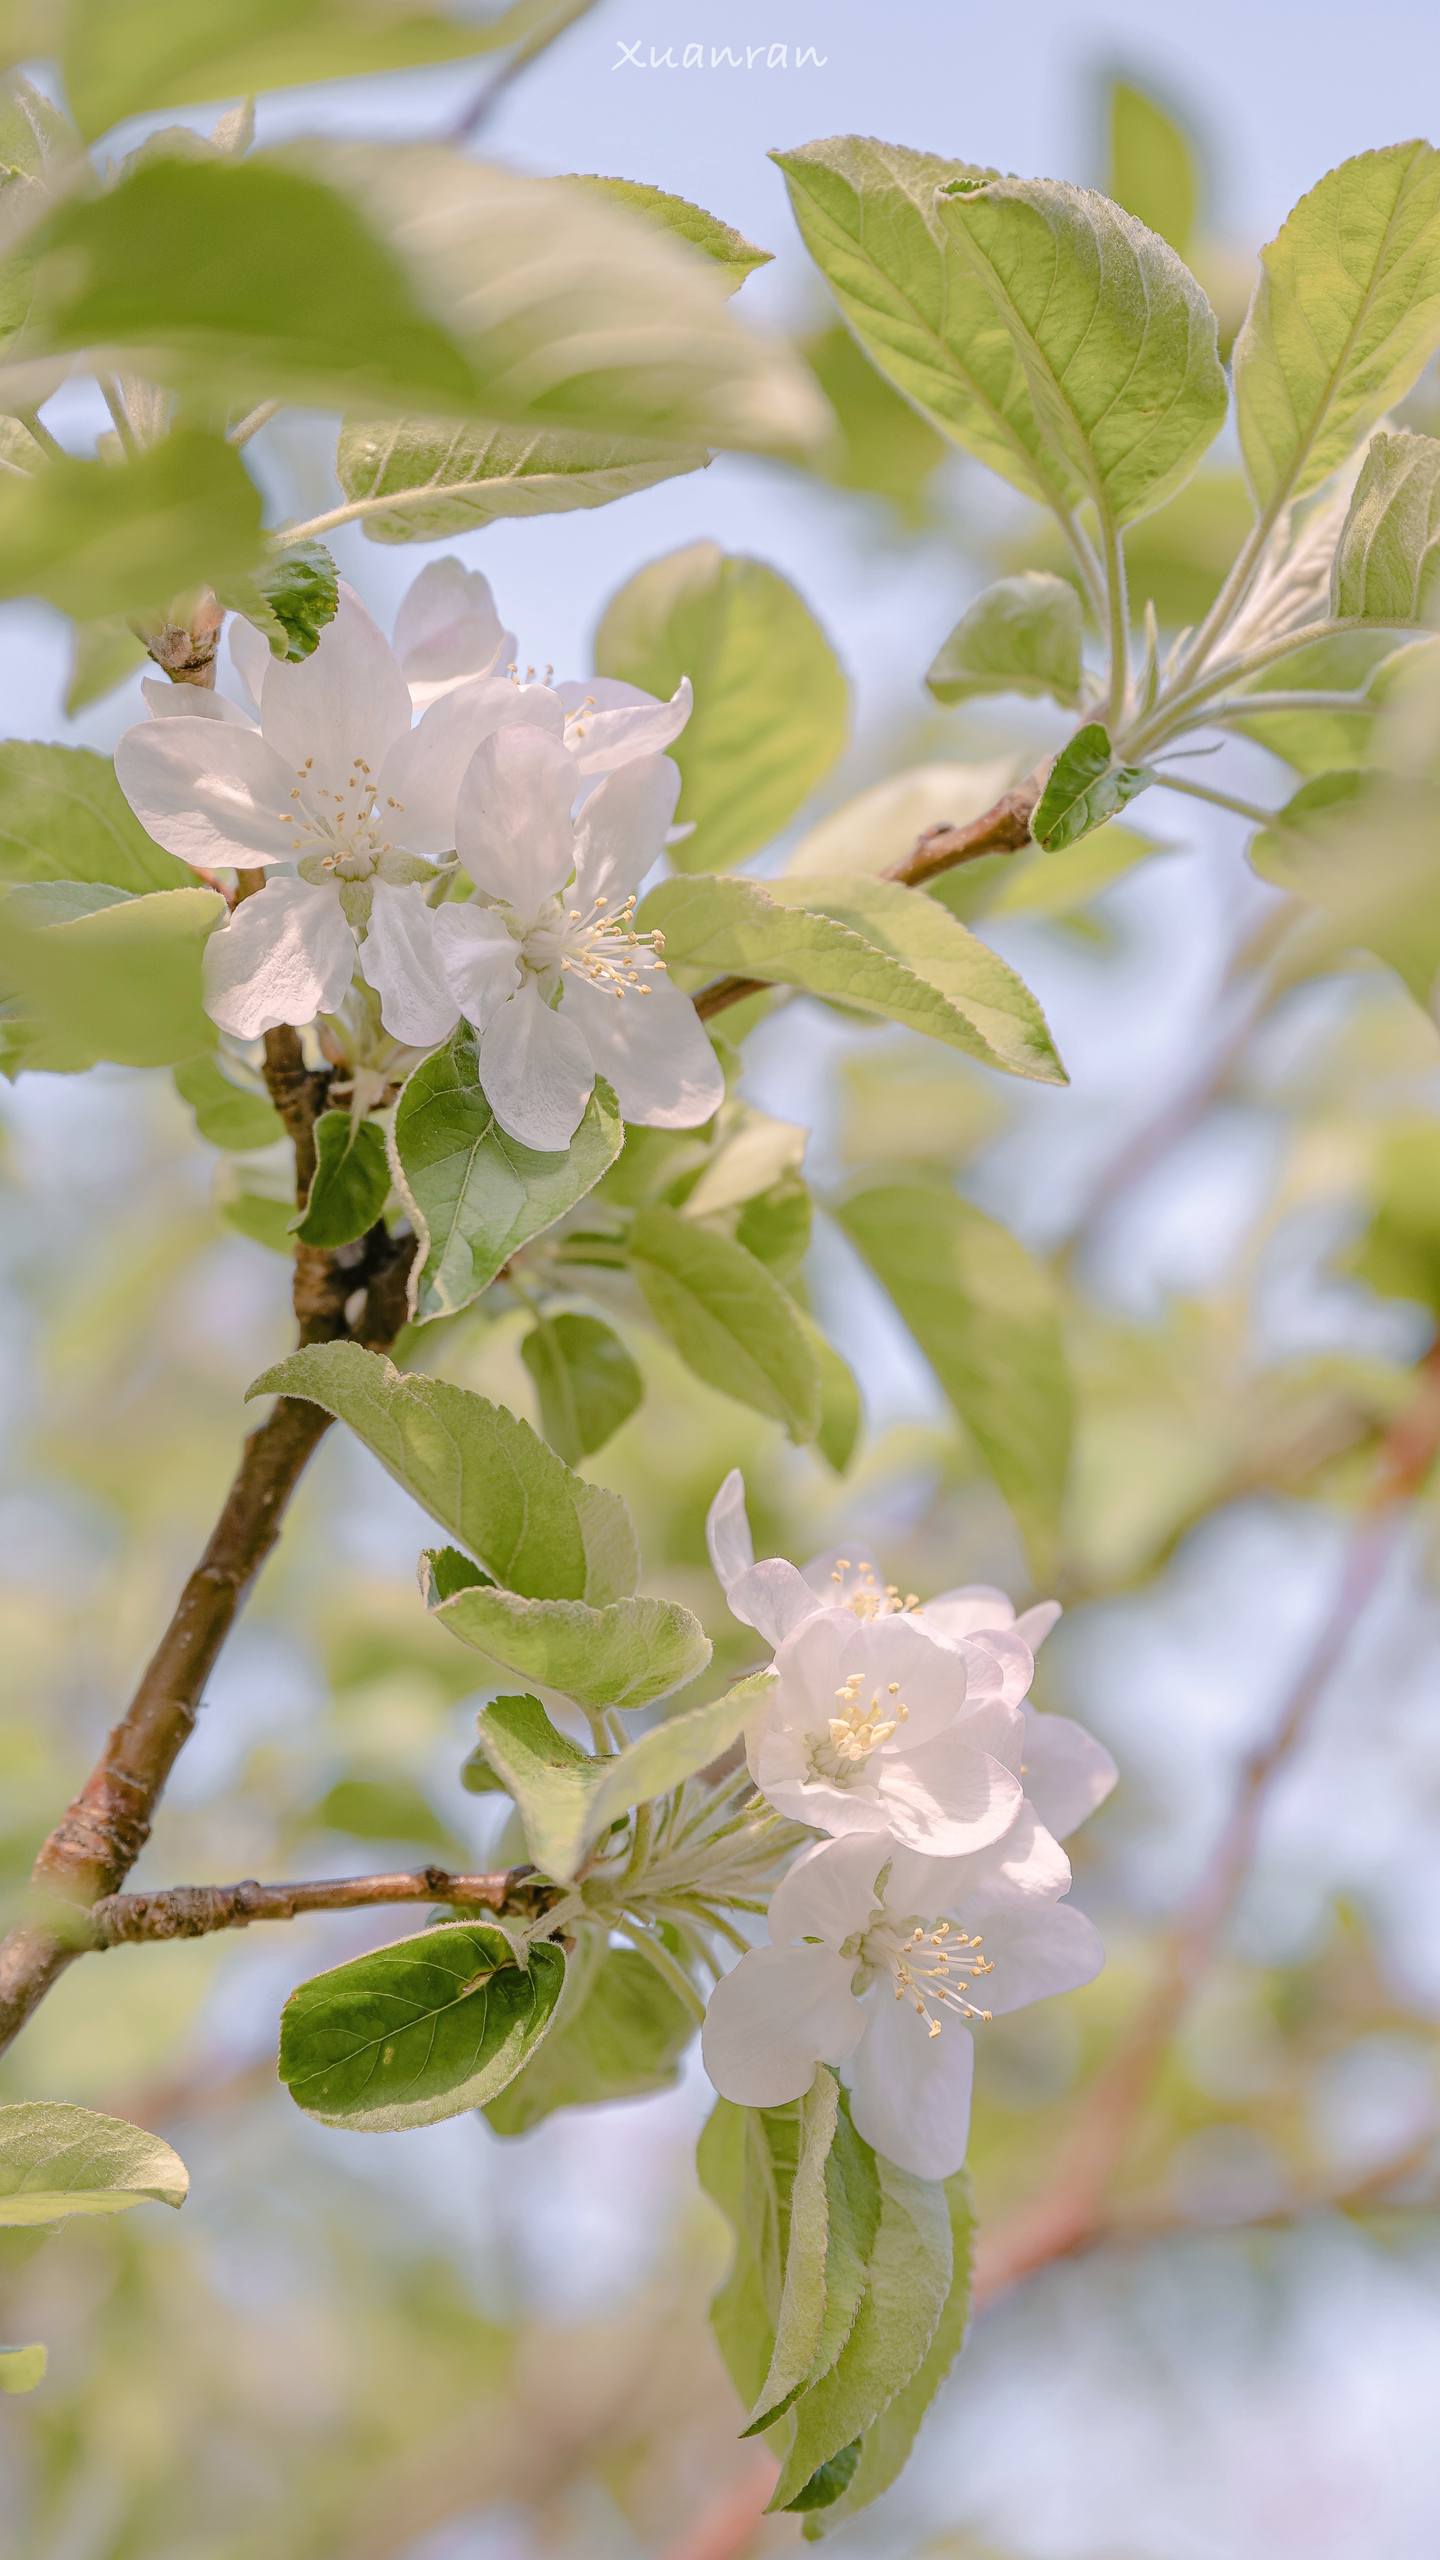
936, 1899
370, 783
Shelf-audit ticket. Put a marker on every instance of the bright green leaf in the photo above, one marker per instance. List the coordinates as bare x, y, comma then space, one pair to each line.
427, 479
290, 598
100, 537
63, 816
351, 1184
1387, 561
618, 2032
587, 1383
550, 1778
474, 1193
478, 1470
58, 2161
730, 1321
1022, 635
1084, 788
625, 1654
419, 2031
771, 702
99, 976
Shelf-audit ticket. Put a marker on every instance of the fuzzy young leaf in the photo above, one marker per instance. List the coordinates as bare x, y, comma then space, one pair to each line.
480, 1471
474, 1193
771, 709
97, 976
730, 1321
97, 538
618, 2032
419, 2031
291, 599
63, 816
866, 943
1084, 788
1387, 561
986, 1316
428, 479
754, 2163
1115, 337
352, 1181
60, 2161
1022, 635
626, 1654
1345, 313
587, 1383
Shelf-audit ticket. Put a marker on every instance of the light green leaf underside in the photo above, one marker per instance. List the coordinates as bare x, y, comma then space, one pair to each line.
96, 976
99, 538
58, 2161
427, 479
419, 2031
477, 1469
625, 1654
1387, 561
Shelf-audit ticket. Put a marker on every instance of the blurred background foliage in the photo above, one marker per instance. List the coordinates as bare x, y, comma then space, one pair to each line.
450, 2347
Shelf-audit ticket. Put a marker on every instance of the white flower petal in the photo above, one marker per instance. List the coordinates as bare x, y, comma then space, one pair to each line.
401, 961
1067, 1772
1025, 1865
910, 2091
843, 1812
513, 829
771, 1596
996, 1727
1037, 1950
617, 721
212, 792
479, 957
249, 656
424, 769
727, 1531
169, 701
971, 1606
946, 1798
536, 1071
998, 1664
931, 1679
447, 626
286, 955
779, 2013
652, 1048
828, 1892
622, 829
1034, 1625
344, 706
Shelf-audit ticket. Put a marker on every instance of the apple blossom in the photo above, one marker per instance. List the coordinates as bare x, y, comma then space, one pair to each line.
881, 1961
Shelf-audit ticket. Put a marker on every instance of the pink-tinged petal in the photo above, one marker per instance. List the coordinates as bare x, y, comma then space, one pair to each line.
828, 1892
998, 1664
400, 960
909, 2090
1067, 1772
419, 783
250, 657
811, 1665
169, 701
447, 626
652, 1048
611, 722
779, 2013
342, 707
1034, 1625
1037, 1950
727, 1531
513, 829
622, 829
842, 1812
479, 958
208, 790
536, 1072
771, 1597
930, 1678
996, 1727
286, 955
971, 1606
946, 1799
1024, 1865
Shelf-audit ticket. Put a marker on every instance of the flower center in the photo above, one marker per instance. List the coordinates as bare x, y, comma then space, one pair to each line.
340, 833
849, 1738
931, 1968
598, 946
866, 1596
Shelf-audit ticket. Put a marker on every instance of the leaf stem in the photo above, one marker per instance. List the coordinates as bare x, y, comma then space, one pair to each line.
659, 1956
1118, 606
1218, 799
114, 399
35, 425
251, 424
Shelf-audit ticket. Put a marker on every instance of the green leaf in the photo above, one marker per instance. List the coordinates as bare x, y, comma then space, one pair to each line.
1058, 884
764, 2167
351, 1184
1022, 635
419, 2031
1153, 165
841, 1411
885, 2446
1115, 337
625, 1654
676, 1749
587, 1383
22, 2368
908, 2283
619, 2032
58, 2161
474, 1193
227, 1115
427, 479
771, 702
881, 447
1398, 1254
63, 816
550, 1778
1084, 788
102, 656
478, 1470
1375, 666
315, 272
986, 1315
870, 944
291, 599
99, 976
1361, 847
1387, 561
734, 1325
733, 254
99, 537
1345, 313
255, 1194
828, 2483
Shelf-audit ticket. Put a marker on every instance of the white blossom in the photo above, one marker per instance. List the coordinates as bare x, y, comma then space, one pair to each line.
881, 1962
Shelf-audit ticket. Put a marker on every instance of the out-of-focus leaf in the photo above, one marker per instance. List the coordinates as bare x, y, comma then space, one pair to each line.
63, 816
58, 2161
734, 255
1152, 163
1387, 561
98, 537
22, 2368
880, 447
426, 479
730, 1321
587, 1383
619, 2032
102, 656
99, 976
419, 2031
1022, 635
227, 1115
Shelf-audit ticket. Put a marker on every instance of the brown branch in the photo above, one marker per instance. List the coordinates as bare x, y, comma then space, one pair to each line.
1073, 2214
1002, 828
198, 1910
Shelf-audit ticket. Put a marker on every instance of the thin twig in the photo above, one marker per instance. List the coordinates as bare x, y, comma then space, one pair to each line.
493, 91
199, 1910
